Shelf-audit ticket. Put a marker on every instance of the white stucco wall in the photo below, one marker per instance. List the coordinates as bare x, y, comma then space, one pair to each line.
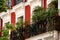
51, 35
20, 10
59, 6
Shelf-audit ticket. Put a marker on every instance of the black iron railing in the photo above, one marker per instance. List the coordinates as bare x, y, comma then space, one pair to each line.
35, 29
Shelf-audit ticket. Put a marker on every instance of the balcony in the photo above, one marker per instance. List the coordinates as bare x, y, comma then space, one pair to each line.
34, 30
44, 22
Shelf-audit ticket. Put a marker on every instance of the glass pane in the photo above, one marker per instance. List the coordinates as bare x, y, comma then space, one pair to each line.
18, 1
8, 3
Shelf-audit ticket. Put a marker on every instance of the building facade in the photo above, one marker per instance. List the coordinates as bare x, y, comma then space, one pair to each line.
20, 8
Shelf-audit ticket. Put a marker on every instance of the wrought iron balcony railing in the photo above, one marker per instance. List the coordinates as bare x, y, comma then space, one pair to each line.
35, 29
9, 2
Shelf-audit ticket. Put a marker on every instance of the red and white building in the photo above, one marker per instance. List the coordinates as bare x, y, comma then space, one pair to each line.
22, 9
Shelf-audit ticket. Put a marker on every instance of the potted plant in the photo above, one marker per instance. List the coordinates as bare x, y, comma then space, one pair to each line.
39, 17
52, 11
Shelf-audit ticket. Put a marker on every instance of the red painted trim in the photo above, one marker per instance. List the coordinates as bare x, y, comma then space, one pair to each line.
27, 14
13, 18
1, 25
27, 18
0, 34
13, 2
45, 4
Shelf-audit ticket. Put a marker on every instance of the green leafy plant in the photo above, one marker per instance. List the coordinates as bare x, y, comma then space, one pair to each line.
53, 4
52, 12
5, 35
50, 18
18, 33
3, 6
5, 32
39, 14
4, 38
9, 26
19, 23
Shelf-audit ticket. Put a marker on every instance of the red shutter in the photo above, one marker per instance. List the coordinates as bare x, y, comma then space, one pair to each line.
27, 14
27, 18
13, 2
13, 18
45, 4
1, 24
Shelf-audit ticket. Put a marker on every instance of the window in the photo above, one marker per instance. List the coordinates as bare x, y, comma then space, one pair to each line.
5, 25
19, 18
18, 1
8, 3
